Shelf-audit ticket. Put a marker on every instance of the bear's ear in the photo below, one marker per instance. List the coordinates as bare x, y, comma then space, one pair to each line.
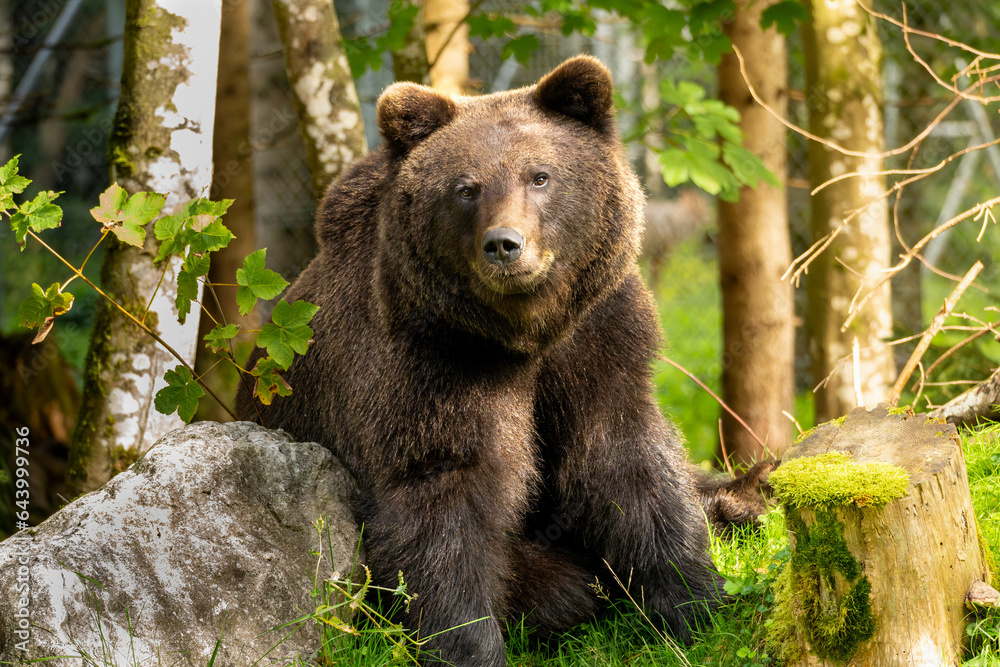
408, 113
581, 88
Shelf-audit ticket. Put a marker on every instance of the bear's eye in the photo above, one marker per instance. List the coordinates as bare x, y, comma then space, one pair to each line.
540, 180
465, 192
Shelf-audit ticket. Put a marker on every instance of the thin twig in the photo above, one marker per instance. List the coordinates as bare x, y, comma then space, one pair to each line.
856, 359
957, 346
907, 258
725, 454
722, 403
155, 336
932, 330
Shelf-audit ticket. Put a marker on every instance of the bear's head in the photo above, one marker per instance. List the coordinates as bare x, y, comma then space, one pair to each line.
508, 215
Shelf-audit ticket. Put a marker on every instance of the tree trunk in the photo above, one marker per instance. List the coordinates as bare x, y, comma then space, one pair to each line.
160, 141
448, 45
410, 62
755, 250
233, 179
914, 559
325, 97
844, 95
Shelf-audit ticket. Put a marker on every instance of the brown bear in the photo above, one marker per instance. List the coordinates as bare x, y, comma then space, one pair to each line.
481, 363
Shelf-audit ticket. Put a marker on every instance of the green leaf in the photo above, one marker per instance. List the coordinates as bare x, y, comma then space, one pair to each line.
256, 282
193, 268
169, 231
402, 15
521, 48
577, 21
361, 55
683, 94
109, 211
288, 332
674, 166
218, 338
195, 225
747, 167
181, 394
37, 215
490, 26
127, 216
784, 16
42, 305
11, 184
213, 236
269, 380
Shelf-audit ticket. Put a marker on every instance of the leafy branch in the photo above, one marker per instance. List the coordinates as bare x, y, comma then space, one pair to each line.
188, 236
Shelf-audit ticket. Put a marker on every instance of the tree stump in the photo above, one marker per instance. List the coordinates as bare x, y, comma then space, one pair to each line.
871, 585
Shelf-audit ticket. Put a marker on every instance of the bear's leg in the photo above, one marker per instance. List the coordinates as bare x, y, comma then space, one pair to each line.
551, 587
447, 535
616, 471
631, 500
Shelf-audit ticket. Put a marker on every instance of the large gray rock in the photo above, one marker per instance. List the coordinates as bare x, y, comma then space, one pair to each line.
209, 535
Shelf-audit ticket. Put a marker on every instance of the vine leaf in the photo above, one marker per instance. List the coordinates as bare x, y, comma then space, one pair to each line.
194, 267
218, 338
41, 309
255, 282
11, 183
288, 332
126, 217
37, 215
269, 381
181, 394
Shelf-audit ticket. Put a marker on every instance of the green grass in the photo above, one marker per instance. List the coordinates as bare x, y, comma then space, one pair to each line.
750, 562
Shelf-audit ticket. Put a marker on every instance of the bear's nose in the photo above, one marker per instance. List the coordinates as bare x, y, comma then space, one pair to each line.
502, 246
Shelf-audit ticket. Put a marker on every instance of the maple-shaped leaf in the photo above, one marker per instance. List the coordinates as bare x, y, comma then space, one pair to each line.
218, 338
255, 282
129, 219
288, 332
194, 267
41, 308
213, 236
181, 394
109, 211
11, 183
169, 231
37, 215
269, 380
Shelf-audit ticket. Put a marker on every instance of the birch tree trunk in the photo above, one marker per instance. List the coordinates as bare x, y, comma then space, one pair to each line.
325, 97
161, 141
232, 179
844, 95
754, 251
448, 45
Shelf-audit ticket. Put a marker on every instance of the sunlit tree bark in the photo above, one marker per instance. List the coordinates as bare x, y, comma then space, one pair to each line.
844, 96
755, 250
325, 97
161, 140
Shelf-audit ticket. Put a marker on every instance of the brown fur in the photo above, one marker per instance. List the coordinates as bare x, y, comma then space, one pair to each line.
500, 421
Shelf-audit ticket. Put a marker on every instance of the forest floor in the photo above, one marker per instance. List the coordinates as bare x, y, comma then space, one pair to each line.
736, 635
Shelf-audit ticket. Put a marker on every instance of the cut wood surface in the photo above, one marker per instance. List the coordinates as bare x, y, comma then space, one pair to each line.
920, 553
